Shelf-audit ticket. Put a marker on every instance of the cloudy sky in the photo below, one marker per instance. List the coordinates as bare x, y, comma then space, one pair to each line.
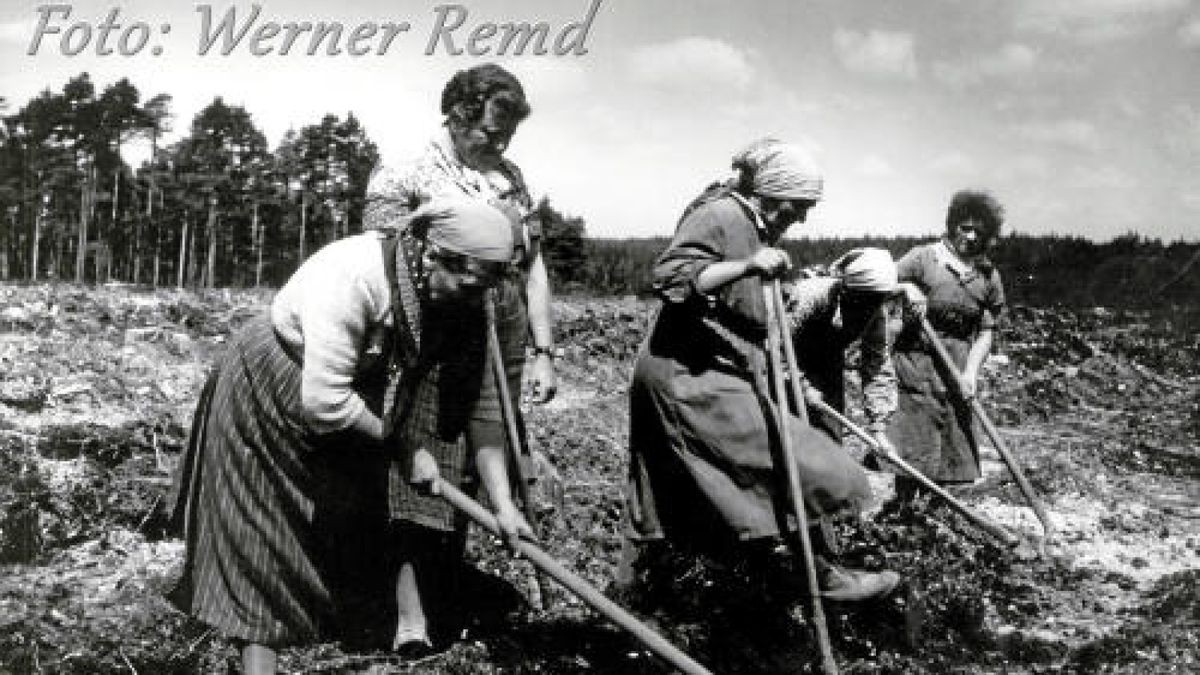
1083, 116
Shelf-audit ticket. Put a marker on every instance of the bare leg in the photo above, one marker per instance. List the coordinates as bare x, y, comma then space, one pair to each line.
411, 623
258, 659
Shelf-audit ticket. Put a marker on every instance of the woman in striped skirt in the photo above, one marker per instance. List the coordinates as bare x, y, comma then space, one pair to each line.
372, 354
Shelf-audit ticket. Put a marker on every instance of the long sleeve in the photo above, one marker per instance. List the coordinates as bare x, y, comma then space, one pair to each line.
699, 242
911, 266
878, 373
324, 312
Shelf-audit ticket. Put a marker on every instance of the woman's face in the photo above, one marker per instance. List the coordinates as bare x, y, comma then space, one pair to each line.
481, 144
859, 307
970, 239
455, 280
780, 214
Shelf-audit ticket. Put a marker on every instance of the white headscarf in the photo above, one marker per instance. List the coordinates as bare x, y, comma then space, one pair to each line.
780, 170
868, 270
471, 227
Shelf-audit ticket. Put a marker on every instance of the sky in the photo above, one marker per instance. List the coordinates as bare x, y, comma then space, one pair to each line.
1081, 116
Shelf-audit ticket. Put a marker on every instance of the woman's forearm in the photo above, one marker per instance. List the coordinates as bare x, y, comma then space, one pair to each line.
491, 462
368, 424
978, 353
537, 294
719, 274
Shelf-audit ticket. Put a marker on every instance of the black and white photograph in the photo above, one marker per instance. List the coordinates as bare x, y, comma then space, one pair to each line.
599, 336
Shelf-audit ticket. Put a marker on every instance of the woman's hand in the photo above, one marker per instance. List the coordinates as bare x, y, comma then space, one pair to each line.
813, 397
883, 442
424, 470
768, 262
542, 379
967, 383
513, 526
914, 300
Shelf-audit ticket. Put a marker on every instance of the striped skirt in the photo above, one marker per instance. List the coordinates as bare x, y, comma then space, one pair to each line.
274, 517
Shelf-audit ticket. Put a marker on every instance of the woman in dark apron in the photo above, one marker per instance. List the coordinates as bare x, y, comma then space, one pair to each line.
703, 437
958, 288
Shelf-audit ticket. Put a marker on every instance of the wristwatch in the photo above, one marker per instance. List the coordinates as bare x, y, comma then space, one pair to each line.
548, 351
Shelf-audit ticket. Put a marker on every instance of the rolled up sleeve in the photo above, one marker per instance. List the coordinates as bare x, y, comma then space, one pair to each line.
699, 242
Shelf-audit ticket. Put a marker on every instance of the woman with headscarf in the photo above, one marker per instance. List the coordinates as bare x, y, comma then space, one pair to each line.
828, 314
957, 287
702, 432
483, 106
373, 347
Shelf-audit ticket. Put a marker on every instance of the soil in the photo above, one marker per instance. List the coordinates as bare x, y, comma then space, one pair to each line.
1101, 407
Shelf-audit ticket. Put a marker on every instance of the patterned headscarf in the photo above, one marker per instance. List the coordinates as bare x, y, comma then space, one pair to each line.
780, 170
469, 227
867, 270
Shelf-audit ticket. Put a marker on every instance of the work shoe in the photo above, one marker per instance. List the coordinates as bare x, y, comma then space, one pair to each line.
848, 585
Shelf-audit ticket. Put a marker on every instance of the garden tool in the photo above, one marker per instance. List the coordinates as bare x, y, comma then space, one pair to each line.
573, 582
1007, 538
777, 332
993, 433
518, 453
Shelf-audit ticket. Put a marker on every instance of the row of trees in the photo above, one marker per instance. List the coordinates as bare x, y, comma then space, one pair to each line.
1129, 271
217, 207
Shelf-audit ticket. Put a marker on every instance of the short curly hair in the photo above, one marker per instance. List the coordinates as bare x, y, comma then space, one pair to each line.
977, 205
467, 93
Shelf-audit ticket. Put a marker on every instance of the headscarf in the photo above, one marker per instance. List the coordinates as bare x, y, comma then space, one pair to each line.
780, 170
867, 270
469, 227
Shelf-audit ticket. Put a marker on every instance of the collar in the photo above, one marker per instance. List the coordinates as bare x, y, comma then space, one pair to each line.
446, 158
472, 181
444, 145
947, 257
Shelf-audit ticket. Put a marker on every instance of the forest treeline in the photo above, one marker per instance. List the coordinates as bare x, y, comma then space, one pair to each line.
219, 207
1128, 271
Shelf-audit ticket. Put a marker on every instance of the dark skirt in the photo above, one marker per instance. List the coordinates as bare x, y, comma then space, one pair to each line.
932, 429
703, 459
512, 327
440, 394
270, 512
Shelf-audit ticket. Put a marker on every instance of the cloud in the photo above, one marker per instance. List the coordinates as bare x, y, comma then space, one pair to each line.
550, 79
1022, 167
1073, 133
698, 63
1190, 199
953, 162
874, 166
877, 52
1093, 21
1181, 132
1011, 62
1101, 177
1189, 34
